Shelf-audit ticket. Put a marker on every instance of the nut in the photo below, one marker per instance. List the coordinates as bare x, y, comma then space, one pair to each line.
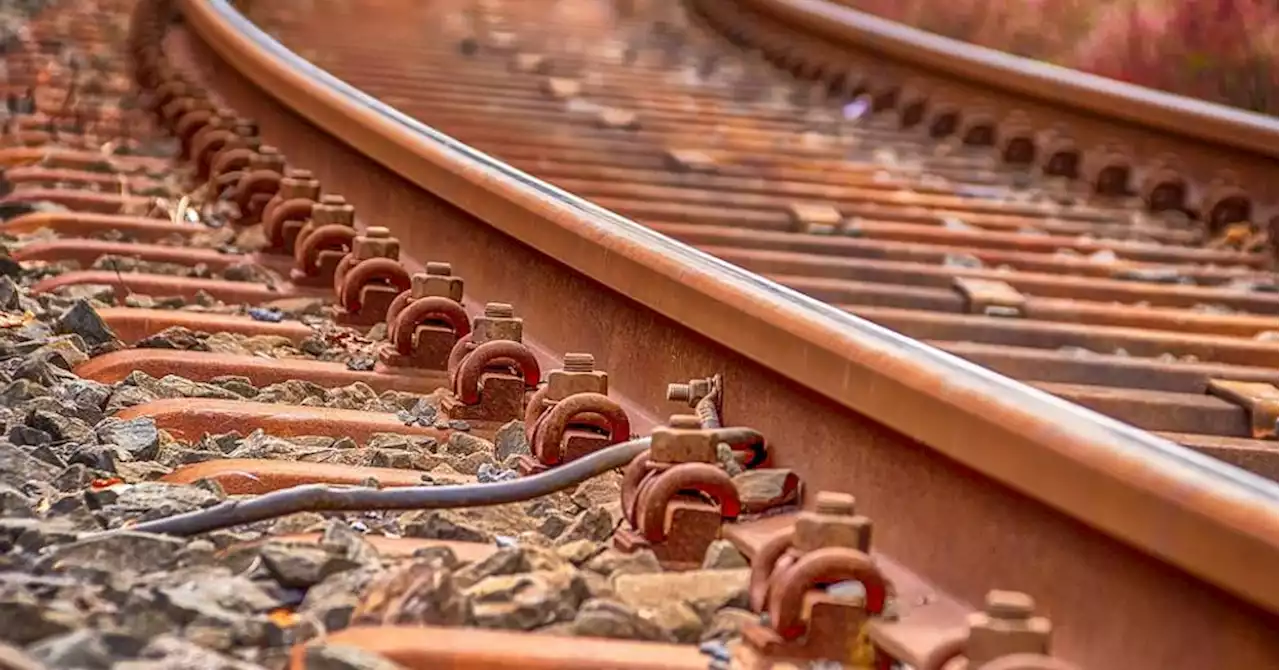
376, 242
299, 184
267, 158
832, 521
682, 442
333, 208
438, 281
1007, 626
578, 376
497, 323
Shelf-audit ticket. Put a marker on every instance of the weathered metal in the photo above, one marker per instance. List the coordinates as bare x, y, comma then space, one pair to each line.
191, 418
667, 301
765, 339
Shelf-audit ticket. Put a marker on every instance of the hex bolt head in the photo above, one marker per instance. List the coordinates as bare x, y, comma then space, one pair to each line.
682, 440
1007, 625
578, 374
438, 280
333, 208
376, 242
832, 521
498, 322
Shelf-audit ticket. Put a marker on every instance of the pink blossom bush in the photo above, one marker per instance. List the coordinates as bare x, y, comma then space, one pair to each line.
1223, 51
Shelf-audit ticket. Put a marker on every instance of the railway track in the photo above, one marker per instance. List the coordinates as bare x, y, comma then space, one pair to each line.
303, 379
925, 231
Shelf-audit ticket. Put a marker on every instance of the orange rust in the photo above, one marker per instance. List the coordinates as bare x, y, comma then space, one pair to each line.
131, 324
191, 418
84, 224
992, 427
186, 287
425, 647
83, 201
246, 476
86, 252
204, 366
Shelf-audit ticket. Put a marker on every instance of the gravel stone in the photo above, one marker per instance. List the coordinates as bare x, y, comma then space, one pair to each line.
84, 321
510, 441
138, 437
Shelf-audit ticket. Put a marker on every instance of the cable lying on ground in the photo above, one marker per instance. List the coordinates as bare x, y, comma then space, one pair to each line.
316, 497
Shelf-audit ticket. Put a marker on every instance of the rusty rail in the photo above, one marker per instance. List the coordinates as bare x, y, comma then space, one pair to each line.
840, 400
1013, 434
1174, 114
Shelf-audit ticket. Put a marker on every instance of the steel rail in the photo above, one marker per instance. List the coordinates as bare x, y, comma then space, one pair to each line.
1209, 519
1179, 115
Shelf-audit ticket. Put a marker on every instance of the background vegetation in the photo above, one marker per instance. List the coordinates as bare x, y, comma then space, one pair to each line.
1223, 51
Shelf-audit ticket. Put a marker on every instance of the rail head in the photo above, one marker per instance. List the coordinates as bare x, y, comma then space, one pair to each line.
1210, 519
1156, 110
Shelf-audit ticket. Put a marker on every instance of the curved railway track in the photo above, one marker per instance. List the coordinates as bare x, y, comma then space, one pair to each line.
1107, 276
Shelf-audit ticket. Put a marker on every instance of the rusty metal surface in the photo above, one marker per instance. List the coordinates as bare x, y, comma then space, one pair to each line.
492, 367
430, 161
877, 470
927, 247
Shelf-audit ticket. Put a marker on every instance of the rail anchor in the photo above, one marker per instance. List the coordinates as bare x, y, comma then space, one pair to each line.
572, 416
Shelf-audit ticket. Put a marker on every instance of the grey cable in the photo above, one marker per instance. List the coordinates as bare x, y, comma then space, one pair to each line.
319, 497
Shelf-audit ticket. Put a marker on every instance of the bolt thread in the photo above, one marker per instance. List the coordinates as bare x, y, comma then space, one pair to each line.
579, 363
268, 150
300, 174
377, 233
678, 392
333, 199
499, 310
439, 268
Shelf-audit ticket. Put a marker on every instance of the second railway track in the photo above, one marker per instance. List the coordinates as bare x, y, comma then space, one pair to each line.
1144, 554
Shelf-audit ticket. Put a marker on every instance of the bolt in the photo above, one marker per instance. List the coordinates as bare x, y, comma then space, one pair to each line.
499, 310
678, 392
439, 269
684, 421
834, 503
376, 242
1009, 605
333, 199
574, 362
299, 174
268, 158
